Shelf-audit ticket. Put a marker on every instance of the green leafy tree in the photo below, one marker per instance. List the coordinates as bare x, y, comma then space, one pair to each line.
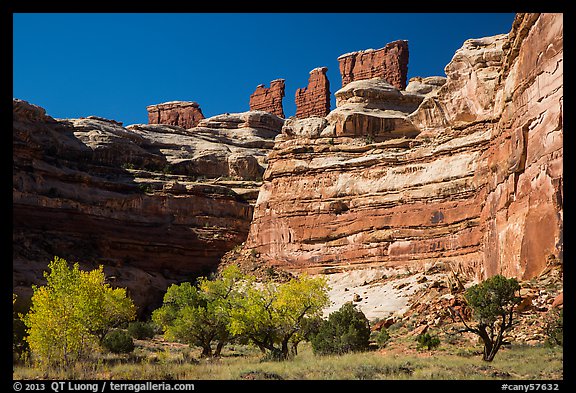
199, 315
222, 294
309, 327
72, 313
492, 302
345, 330
273, 315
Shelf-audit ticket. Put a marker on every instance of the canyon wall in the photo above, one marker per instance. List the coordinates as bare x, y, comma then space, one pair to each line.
269, 99
154, 204
466, 170
184, 114
523, 212
314, 100
390, 63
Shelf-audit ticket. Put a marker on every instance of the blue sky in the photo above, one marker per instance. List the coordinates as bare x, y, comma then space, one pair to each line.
114, 65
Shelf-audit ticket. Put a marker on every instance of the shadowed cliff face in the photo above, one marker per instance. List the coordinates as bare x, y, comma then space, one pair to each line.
92, 191
467, 170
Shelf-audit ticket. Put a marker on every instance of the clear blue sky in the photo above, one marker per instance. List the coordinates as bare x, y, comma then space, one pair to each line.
114, 65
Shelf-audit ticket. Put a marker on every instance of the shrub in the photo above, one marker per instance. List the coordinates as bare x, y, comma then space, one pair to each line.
554, 327
145, 188
382, 337
345, 330
140, 330
118, 341
369, 139
427, 341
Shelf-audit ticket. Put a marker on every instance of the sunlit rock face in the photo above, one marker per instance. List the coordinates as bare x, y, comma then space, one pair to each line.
389, 63
185, 114
466, 169
522, 215
269, 99
314, 100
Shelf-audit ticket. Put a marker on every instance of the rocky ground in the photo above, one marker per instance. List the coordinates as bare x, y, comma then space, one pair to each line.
429, 300
415, 302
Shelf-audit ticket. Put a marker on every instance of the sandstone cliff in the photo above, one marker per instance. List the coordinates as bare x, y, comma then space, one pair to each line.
466, 170
155, 204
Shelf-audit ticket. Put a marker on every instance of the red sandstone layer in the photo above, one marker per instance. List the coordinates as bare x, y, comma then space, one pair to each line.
390, 63
314, 100
175, 113
269, 99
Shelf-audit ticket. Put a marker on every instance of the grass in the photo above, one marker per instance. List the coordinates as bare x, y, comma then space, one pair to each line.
156, 360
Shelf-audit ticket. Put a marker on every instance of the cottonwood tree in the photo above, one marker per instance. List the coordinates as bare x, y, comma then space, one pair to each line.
72, 313
273, 315
492, 302
199, 315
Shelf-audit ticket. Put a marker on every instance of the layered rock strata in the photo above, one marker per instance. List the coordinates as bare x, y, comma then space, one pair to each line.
390, 63
269, 99
314, 100
154, 204
183, 114
466, 170
523, 211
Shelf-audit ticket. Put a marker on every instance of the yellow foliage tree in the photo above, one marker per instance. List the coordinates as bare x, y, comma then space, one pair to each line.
72, 313
274, 315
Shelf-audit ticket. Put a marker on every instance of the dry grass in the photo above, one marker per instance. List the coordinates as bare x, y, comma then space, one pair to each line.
158, 360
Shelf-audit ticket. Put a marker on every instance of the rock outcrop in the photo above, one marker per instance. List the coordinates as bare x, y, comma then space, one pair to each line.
154, 204
314, 100
269, 99
390, 63
466, 169
372, 109
183, 114
426, 86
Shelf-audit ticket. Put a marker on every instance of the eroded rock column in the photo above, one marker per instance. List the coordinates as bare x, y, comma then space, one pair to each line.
314, 100
269, 99
390, 63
